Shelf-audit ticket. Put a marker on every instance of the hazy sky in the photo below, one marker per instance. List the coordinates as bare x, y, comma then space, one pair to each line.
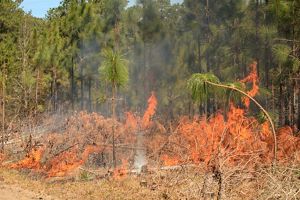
39, 7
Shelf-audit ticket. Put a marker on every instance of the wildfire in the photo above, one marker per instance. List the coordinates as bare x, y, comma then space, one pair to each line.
68, 161
152, 103
31, 161
170, 161
121, 172
131, 121
233, 137
2, 158
235, 140
251, 78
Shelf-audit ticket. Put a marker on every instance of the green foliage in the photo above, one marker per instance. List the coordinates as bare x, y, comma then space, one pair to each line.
199, 88
114, 68
281, 53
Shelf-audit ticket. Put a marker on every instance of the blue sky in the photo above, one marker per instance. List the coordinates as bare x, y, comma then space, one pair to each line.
39, 7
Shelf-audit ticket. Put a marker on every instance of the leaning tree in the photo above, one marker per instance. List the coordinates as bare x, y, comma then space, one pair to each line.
200, 84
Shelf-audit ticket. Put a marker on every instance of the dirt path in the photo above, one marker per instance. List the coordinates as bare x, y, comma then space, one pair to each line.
13, 192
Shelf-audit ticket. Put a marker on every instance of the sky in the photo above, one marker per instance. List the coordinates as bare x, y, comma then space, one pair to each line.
39, 8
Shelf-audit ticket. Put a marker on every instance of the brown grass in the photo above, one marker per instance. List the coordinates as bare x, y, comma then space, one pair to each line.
177, 184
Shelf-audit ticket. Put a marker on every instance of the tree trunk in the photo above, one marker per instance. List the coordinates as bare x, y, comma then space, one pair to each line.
81, 88
72, 85
145, 71
281, 105
298, 121
208, 36
37, 91
286, 105
3, 106
199, 53
55, 91
90, 94
113, 105
267, 67
273, 98
256, 35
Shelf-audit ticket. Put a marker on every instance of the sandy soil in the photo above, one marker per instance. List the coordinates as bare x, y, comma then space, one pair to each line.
13, 192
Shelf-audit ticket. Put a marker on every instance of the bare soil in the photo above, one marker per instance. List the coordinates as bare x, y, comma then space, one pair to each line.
13, 192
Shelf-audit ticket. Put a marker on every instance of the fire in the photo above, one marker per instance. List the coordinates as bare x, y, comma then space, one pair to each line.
288, 145
252, 78
152, 103
232, 136
68, 161
31, 161
235, 140
170, 161
121, 172
2, 158
131, 121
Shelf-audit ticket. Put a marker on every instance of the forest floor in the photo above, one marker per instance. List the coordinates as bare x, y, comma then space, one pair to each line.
184, 184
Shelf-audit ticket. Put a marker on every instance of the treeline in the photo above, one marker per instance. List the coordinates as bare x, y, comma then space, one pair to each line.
52, 64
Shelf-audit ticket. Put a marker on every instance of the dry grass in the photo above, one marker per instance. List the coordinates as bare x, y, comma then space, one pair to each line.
177, 184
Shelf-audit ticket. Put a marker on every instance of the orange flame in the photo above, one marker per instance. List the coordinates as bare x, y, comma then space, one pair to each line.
170, 161
121, 172
131, 121
252, 77
2, 158
152, 103
68, 161
31, 161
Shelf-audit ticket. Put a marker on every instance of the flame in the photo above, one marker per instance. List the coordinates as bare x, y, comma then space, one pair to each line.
152, 103
131, 121
68, 161
31, 161
252, 78
288, 145
2, 158
170, 161
121, 172
233, 139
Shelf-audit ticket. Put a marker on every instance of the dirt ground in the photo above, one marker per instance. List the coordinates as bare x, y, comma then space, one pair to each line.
13, 192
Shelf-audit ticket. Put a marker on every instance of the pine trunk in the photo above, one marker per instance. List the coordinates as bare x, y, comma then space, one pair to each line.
37, 91
281, 105
113, 105
3, 107
81, 88
90, 94
72, 85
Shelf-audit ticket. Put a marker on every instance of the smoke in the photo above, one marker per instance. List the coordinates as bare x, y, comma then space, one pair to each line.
140, 159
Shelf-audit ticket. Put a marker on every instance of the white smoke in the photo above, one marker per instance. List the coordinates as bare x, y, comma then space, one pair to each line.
140, 155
